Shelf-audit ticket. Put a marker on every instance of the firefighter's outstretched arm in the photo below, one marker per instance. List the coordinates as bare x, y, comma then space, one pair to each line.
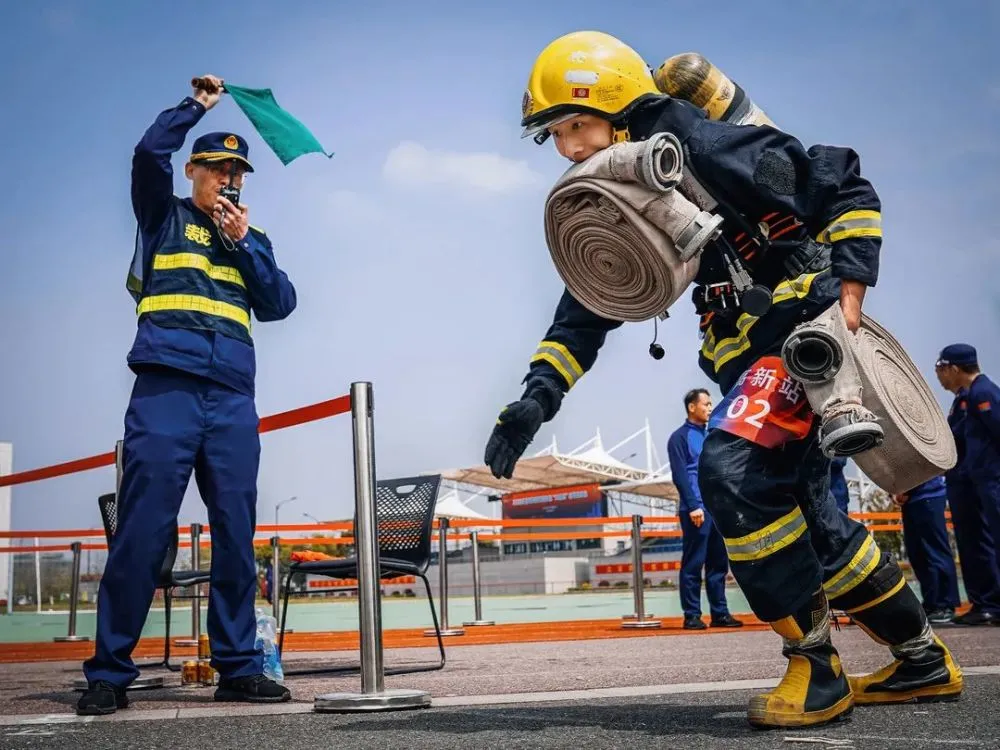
567, 352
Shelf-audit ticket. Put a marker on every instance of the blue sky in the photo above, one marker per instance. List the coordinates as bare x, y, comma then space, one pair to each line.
417, 251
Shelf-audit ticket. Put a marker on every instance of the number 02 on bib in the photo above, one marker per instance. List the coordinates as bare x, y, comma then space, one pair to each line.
767, 406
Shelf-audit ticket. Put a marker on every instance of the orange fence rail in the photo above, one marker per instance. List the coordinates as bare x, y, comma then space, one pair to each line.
303, 414
523, 532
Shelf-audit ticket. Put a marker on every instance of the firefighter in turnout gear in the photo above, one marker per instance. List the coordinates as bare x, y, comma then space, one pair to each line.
807, 226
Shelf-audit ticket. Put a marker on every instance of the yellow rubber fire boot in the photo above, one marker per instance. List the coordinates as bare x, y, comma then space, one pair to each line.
927, 674
814, 690
887, 609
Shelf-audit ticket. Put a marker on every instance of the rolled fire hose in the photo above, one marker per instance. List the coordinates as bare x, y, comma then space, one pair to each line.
874, 404
623, 239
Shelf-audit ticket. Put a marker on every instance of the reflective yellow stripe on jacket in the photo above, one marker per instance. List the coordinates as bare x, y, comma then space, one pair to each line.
557, 355
199, 262
721, 351
852, 224
194, 303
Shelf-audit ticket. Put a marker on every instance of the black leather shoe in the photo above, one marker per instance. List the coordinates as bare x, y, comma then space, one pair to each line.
975, 617
100, 699
253, 689
726, 621
694, 623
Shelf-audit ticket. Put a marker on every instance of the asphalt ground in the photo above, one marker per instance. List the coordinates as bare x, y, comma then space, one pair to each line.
683, 691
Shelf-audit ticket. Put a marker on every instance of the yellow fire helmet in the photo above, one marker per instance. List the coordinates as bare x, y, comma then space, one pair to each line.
585, 72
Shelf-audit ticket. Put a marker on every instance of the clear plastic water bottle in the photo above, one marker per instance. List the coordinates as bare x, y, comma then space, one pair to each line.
267, 641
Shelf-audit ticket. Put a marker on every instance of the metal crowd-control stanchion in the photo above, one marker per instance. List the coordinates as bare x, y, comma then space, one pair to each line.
638, 586
443, 582
196, 598
276, 579
475, 585
373, 695
119, 448
10, 586
275, 575
74, 598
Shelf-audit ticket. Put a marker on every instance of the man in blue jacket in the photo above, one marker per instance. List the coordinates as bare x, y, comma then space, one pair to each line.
199, 271
925, 535
982, 443
703, 545
957, 368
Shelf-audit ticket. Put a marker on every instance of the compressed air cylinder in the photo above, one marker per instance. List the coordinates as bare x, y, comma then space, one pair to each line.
692, 77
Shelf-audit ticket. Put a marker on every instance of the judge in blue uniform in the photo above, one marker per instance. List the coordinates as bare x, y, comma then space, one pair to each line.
982, 441
199, 272
925, 535
957, 368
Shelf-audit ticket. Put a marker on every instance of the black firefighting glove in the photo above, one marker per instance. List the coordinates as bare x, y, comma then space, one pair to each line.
517, 424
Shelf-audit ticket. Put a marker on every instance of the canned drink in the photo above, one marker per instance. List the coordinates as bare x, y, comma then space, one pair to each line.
204, 651
189, 673
206, 674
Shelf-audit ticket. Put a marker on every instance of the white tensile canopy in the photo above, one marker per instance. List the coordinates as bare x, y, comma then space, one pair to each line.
587, 464
450, 506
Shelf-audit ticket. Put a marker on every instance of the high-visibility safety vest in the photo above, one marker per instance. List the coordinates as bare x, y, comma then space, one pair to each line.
192, 282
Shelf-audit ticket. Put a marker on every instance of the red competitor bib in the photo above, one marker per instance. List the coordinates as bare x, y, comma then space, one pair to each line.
767, 406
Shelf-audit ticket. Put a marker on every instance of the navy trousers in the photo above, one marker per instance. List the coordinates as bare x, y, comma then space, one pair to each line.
988, 489
177, 424
926, 538
976, 550
703, 547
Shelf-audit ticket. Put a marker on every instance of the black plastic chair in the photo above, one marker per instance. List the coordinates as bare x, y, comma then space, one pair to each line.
404, 510
168, 578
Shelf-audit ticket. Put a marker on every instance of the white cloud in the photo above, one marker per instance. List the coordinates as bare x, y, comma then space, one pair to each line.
413, 165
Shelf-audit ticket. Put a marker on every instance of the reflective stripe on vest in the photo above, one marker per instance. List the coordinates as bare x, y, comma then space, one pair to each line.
201, 263
192, 282
194, 303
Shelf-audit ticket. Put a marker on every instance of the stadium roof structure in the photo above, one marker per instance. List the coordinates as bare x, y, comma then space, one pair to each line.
589, 463
450, 506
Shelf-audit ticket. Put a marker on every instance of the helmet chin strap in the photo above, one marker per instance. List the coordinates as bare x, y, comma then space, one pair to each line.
621, 135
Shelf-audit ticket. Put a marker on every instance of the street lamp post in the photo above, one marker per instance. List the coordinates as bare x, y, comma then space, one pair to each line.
277, 506
276, 560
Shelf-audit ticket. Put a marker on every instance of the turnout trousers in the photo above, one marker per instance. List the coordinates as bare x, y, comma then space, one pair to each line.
786, 538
